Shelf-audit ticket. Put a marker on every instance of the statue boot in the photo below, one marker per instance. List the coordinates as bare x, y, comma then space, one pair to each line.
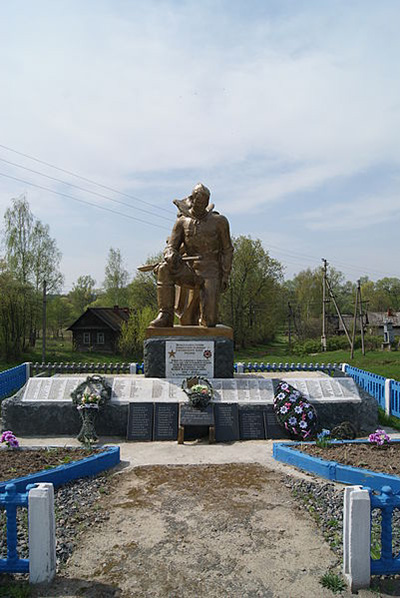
166, 301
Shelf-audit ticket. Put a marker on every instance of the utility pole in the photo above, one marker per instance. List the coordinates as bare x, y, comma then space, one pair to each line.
338, 310
289, 326
361, 316
324, 281
353, 340
44, 323
359, 305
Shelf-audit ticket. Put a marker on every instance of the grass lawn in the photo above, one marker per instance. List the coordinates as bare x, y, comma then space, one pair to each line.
379, 362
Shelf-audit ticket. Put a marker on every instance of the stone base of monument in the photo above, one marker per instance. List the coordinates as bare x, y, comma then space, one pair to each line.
151, 409
184, 351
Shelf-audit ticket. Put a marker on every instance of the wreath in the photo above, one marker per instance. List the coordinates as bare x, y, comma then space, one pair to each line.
92, 393
294, 412
199, 391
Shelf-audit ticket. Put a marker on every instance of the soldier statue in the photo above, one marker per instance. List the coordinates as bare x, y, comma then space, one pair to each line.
198, 259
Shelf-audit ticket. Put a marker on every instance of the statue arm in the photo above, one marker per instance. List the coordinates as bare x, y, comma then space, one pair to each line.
171, 252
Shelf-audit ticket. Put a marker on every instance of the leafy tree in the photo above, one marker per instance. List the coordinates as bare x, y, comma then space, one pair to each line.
83, 294
142, 291
32, 257
133, 332
116, 278
59, 315
17, 302
252, 304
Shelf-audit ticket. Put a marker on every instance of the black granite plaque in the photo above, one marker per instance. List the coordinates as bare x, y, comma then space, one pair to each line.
226, 422
166, 421
140, 421
251, 423
189, 416
272, 427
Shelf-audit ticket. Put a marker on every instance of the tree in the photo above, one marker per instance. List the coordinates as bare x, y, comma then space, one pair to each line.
59, 314
116, 278
46, 259
16, 305
252, 304
32, 258
142, 291
18, 227
82, 294
133, 333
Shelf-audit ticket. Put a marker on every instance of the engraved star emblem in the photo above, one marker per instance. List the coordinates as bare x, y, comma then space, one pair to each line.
172, 354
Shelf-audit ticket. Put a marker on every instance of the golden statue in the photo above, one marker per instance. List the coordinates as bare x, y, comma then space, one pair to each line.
198, 260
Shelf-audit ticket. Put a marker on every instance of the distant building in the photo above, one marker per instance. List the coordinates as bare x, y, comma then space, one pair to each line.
99, 329
375, 322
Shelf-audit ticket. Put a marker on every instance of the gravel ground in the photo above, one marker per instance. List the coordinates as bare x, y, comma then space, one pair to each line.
77, 508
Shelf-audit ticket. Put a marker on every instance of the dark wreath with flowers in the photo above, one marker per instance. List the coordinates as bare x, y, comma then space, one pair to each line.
92, 393
294, 412
199, 391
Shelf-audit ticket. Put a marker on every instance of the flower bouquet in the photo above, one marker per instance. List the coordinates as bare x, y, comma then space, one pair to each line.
88, 398
199, 392
9, 439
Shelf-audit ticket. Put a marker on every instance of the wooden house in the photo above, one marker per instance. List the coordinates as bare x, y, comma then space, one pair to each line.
99, 329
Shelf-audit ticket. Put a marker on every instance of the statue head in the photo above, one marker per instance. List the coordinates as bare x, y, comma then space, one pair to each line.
200, 197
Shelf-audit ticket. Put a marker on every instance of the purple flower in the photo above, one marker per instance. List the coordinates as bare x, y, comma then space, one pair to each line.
283, 409
298, 409
303, 424
292, 421
281, 395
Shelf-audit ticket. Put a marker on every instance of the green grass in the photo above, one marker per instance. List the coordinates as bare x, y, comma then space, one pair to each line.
14, 589
379, 362
333, 582
388, 420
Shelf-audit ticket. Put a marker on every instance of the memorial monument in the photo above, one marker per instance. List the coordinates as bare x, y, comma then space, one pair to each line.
193, 273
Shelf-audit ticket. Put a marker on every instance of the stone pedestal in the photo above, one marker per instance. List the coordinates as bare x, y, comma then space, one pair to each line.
156, 341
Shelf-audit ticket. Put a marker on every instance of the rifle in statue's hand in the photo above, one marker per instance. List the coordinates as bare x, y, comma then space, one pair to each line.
151, 267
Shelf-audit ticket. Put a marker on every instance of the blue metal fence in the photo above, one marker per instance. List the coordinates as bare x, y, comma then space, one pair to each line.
13, 379
10, 501
395, 398
386, 502
374, 384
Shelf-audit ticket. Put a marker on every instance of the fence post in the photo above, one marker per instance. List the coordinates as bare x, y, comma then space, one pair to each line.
28, 369
357, 537
388, 388
42, 534
343, 367
133, 368
240, 367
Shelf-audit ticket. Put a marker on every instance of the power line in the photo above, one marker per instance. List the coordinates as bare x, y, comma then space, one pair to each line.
122, 203
89, 203
82, 178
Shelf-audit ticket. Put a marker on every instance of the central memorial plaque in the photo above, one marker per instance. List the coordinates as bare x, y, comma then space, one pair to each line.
189, 416
189, 358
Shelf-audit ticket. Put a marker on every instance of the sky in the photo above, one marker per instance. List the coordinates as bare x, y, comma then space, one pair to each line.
287, 110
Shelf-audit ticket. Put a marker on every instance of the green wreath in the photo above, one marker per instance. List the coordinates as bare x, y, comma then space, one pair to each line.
93, 385
199, 391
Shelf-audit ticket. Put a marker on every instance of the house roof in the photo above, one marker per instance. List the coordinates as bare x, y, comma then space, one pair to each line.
112, 317
373, 318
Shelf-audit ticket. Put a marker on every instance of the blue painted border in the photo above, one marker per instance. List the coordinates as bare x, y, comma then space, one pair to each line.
71, 471
331, 470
